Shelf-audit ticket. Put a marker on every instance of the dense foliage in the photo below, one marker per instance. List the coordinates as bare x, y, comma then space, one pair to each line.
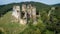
46, 25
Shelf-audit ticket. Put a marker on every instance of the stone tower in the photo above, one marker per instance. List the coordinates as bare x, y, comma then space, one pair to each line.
23, 19
32, 12
16, 12
29, 7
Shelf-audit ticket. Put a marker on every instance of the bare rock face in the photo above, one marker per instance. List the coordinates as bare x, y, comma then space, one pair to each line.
51, 10
23, 21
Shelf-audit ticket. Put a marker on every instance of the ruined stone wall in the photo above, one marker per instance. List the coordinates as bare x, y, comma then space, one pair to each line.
16, 11
28, 12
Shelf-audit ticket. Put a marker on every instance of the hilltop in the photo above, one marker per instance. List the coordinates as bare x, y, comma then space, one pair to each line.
46, 25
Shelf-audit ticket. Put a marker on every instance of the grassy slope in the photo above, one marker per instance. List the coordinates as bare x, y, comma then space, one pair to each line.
15, 28
9, 27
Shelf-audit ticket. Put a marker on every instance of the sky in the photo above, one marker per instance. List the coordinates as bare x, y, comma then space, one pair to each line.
49, 2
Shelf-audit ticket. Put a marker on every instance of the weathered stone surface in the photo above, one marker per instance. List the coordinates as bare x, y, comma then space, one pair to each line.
28, 12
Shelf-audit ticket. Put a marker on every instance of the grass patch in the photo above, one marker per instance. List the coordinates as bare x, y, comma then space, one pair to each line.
8, 26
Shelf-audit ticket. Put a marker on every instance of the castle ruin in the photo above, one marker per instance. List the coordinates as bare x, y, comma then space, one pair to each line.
27, 13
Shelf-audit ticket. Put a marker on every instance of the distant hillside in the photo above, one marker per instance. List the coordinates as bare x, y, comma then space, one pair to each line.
57, 11
8, 7
57, 4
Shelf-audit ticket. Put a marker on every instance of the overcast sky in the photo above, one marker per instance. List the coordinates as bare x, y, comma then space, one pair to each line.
17, 1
